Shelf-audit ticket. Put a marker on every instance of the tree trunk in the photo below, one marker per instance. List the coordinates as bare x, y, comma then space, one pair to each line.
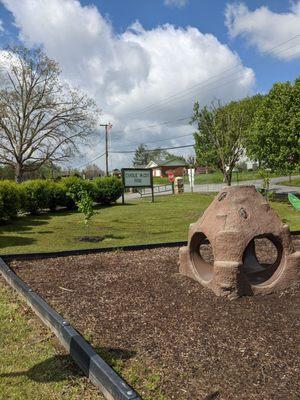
18, 173
228, 177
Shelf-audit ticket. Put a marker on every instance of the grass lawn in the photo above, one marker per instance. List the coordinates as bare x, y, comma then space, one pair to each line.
137, 222
294, 182
32, 366
217, 177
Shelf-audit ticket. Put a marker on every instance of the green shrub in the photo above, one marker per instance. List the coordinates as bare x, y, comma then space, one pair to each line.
35, 195
107, 190
57, 195
72, 187
9, 200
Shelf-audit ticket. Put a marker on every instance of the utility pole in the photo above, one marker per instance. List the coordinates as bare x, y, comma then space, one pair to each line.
107, 127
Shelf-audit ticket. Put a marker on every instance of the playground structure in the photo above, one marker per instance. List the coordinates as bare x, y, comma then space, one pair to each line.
235, 222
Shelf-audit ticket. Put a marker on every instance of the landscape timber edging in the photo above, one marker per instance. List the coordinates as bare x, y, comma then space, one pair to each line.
68, 253
112, 386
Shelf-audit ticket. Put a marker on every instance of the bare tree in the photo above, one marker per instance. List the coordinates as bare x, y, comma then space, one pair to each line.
41, 117
92, 171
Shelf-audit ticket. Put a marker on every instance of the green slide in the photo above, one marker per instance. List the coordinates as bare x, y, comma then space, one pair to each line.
295, 202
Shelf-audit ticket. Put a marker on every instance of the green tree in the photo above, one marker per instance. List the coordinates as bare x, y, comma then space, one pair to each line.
274, 136
221, 134
143, 156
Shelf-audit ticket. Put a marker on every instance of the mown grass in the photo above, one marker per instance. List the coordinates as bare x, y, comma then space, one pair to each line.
217, 177
137, 222
32, 365
293, 182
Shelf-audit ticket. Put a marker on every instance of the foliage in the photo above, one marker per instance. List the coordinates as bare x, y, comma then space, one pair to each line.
292, 182
38, 195
56, 195
191, 161
138, 222
242, 166
143, 156
42, 119
107, 190
46, 171
221, 133
7, 172
73, 186
274, 136
35, 196
84, 203
9, 200
92, 171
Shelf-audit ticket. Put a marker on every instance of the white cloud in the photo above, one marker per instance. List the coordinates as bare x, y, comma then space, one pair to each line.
266, 29
176, 3
126, 73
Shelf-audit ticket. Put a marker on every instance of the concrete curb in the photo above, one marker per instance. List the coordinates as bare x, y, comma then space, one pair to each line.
94, 367
68, 253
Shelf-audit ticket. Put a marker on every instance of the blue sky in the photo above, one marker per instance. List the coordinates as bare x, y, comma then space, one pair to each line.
125, 56
206, 15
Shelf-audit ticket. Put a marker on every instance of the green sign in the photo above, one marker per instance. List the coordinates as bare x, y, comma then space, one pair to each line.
137, 177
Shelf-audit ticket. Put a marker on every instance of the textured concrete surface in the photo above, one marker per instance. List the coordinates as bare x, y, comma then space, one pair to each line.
237, 218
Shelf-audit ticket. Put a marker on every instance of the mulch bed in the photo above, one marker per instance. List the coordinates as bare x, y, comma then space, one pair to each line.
137, 307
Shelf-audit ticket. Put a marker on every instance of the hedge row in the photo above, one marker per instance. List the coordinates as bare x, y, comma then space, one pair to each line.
37, 195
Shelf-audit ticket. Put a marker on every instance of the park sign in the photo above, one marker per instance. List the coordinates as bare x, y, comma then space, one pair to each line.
137, 178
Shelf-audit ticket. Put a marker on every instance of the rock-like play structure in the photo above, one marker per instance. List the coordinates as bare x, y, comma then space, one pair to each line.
234, 223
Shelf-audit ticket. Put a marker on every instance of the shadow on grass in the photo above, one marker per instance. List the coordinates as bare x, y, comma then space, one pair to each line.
11, 241
62, 367
98, 238
54, 369
24, 223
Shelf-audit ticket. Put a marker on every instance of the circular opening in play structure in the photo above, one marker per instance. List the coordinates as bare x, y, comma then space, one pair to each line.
262, 258
202, 256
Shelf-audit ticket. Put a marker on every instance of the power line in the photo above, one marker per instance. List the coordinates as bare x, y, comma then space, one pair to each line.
223, 84
185, 92
203, 83
178, 119
87, 163
281, 44
175, 120
151, 150
160, 140
155, 125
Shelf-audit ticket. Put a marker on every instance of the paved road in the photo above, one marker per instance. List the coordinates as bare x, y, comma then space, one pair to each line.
216, 187
274, 184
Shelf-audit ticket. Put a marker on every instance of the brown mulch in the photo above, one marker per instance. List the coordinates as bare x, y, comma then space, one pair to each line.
137, 307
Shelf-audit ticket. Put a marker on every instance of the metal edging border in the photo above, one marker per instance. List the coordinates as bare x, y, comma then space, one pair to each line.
67, 253
112, 386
